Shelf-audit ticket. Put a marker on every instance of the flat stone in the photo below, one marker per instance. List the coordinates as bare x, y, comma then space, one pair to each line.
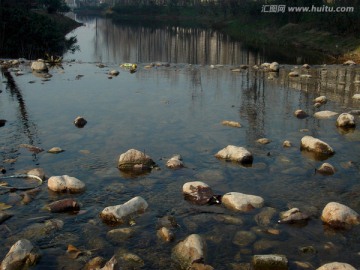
325, 114
231, 123
270, 262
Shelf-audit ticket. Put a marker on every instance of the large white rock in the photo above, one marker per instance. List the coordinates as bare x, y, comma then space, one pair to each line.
119, 213
315, 145
338, 215
135, 160
65, 183
242, 202
189, 250
325, 114
345, 120
235, 153
336, 266
21, 255
356, 96
39, 66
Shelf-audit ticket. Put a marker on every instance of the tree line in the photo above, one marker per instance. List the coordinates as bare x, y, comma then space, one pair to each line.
336, 22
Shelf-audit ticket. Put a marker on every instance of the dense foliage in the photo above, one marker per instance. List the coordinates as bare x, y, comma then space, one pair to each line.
28, 32
336, 22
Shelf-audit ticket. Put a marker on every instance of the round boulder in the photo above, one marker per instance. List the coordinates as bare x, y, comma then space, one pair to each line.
345, 120
242, 202
339, 216
39, 66
80, 122
235, 153
135, 160
188, 251
336, 266
65, 183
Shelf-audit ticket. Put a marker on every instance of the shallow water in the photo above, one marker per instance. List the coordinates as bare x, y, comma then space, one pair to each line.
178, 110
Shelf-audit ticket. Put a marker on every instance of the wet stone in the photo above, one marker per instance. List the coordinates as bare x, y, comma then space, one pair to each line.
21, 255
244, 238
265, 217
270, 262
293, 215
80, 122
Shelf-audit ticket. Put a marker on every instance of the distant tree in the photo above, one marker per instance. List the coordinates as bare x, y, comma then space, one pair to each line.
53, 6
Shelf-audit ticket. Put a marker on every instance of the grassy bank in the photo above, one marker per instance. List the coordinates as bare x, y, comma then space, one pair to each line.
304, 36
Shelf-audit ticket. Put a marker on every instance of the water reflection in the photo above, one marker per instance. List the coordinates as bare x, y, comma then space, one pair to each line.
24, 126
106, 41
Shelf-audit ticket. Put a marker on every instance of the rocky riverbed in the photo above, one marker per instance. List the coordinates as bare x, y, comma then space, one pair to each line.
176, 166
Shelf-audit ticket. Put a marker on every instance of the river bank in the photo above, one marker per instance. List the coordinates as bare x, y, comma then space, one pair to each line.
260, 32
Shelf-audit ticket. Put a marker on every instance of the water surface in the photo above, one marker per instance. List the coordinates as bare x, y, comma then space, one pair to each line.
178, 110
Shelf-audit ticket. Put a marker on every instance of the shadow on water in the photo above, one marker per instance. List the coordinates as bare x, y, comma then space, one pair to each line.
24, 124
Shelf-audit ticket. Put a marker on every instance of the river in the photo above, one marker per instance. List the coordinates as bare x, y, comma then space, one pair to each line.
178, 108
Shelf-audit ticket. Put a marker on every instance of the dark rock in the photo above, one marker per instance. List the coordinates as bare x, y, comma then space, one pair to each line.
65, 205
80, 122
